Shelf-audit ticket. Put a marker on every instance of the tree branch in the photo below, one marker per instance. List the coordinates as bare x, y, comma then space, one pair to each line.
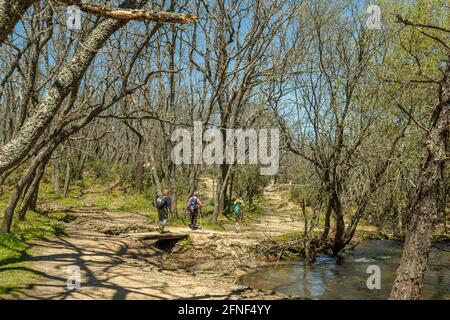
132, 14
419, 25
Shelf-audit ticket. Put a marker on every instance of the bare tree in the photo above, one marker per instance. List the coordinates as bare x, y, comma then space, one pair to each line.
68, 77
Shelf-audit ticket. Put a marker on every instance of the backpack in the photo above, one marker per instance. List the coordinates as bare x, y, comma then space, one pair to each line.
237, 208
193, 203
159, 202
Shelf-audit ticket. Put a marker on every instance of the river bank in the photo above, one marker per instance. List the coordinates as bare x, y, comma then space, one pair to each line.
209, 264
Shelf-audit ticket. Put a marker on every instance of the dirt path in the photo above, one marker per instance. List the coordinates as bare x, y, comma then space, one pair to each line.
117, 267
279, 217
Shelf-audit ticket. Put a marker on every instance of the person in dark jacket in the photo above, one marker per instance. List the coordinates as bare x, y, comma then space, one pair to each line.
163, 204
194, 205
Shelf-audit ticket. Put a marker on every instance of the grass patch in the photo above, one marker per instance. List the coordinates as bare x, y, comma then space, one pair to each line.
15, 272
285, 237
13, 277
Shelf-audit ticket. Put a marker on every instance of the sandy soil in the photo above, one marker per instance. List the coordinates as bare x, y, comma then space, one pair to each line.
114, 266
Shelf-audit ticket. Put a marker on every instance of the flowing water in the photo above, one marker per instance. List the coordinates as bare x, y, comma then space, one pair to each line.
330, 278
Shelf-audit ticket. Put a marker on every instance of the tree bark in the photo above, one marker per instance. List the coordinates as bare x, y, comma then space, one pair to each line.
339, 240
55, 179
34, 198
139, 172
173, 191
224, 171
11, 11
24, 180
193, 180
139, 178
30, 199
326, 227
155, 176
120, 14
67, 178
424, 212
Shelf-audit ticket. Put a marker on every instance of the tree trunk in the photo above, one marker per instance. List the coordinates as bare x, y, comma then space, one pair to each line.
409, 281
30, 199
224, 171
173, 191
155, 175
326, 228
55, 179
24, 180
9, 211
218, 196
157, 181
34, 197
193, 181
139, 178
139, 172
216, 211
67, 178
11, 11
339, 237
230, 193
308, 234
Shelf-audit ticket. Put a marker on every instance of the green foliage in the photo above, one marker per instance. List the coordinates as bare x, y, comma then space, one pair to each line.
101, 169
209, 206
249, 184
411, 56
298, 193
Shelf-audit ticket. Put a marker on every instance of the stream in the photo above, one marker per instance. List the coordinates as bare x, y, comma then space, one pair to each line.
329, 278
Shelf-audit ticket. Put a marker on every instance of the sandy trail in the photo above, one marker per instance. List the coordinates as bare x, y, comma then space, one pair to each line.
279, 217
117, 267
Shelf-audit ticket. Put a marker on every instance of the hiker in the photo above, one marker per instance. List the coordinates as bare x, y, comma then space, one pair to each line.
238, 212
163, 204
194, 205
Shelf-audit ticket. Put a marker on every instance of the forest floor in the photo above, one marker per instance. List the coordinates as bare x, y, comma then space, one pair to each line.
207, 265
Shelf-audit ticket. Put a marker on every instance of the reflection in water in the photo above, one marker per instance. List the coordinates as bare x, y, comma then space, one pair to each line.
326, 279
